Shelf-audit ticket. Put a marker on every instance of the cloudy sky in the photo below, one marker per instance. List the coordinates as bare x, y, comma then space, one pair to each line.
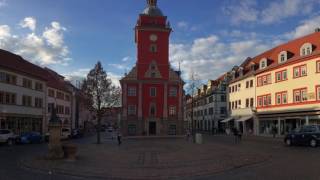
209, 38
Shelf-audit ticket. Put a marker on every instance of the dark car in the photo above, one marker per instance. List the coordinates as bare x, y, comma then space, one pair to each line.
307, 135
77, 133
30, 138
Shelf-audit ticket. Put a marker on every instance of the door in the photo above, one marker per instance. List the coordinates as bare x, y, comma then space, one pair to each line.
152, 128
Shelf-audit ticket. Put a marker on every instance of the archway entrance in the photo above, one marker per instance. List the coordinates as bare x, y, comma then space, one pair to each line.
152, 128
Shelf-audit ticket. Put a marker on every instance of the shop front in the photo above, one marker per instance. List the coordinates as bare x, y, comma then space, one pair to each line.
21, 124
282, 123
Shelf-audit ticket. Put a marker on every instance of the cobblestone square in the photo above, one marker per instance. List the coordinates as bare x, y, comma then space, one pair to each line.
175, 158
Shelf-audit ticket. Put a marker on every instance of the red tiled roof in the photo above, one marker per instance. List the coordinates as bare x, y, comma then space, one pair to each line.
291, 46
17, 64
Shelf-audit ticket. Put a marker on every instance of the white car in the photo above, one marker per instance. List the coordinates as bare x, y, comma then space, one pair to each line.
7, 136
65, 133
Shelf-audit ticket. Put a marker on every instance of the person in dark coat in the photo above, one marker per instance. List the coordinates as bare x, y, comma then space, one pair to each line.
119, 138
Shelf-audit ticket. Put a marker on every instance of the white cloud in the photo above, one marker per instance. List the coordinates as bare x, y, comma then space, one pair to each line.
274, 12
77, 76
209, 57
44, 49
29, 22
245, 11
277, 11
305, 27
3, 3
4, 31
183, 25
127, 58
54, 35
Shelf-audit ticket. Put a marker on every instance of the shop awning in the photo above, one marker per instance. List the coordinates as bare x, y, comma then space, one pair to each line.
227, 120
245, 118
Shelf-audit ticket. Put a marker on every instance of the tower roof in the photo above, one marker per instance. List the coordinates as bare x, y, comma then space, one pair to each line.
152, 9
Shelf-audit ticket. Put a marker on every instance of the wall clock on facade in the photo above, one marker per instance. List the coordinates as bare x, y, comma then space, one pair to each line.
153, 37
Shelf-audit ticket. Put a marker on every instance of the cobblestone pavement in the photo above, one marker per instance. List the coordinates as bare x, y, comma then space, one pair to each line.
218, 158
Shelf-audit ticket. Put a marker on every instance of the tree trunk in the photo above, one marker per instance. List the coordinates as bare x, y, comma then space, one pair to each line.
99, 129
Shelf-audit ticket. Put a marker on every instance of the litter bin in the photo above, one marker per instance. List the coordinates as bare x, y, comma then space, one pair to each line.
198, 138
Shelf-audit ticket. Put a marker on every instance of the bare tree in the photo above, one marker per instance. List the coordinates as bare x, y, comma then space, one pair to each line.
194, 83
101, 94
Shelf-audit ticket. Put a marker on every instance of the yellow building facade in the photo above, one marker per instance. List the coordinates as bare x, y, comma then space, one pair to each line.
286, 89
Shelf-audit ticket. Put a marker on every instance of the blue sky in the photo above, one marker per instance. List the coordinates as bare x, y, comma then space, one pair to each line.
209, 38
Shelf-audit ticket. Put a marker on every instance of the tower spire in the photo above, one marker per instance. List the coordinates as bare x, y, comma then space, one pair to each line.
152, 3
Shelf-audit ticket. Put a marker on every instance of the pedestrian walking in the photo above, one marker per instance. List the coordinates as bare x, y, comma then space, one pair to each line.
119, 138
188, 134
237, 135
274, 131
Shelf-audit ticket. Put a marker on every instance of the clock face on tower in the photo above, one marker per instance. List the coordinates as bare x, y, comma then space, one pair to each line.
153, 37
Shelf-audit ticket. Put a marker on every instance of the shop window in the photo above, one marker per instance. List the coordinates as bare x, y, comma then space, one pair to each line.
172, 129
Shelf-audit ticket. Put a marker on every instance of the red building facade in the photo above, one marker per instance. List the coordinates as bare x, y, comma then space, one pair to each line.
152, 92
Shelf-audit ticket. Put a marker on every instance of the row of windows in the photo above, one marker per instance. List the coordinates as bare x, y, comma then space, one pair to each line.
59, 95
237, 104
132, 110
299, 95
173, 91
59, 109
11, 98
209, 111
210, 99
298, 71
235, 88
12, 79
8, 78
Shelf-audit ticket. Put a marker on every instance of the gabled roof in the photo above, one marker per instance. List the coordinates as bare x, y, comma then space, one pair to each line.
291, 46
17, 64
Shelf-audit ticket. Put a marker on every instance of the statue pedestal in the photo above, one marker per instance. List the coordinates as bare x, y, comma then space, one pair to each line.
55, 147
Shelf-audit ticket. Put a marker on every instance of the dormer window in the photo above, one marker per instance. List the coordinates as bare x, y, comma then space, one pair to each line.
263, 63
283, 56
306, 49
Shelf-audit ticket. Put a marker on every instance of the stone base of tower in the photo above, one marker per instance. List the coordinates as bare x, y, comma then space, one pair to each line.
152, 127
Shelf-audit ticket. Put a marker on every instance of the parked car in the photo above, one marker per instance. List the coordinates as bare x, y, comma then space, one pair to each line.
65, 133
7, 136
30, 138
307, 135
77, 133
